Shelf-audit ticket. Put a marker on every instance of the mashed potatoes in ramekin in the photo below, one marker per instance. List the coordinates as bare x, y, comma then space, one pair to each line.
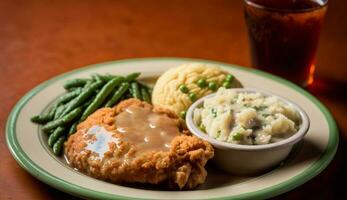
249, 118
178, 87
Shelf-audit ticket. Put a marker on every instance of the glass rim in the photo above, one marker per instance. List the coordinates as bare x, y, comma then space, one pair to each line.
257, 5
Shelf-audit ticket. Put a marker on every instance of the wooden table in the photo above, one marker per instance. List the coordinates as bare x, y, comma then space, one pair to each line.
40, 39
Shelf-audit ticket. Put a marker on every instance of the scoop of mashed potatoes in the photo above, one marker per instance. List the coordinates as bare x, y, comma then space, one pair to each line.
166, 92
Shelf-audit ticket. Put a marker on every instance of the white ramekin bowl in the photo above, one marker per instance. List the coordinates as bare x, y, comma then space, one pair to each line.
249, 159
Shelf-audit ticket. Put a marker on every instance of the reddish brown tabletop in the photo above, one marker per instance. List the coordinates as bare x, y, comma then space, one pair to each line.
40, 39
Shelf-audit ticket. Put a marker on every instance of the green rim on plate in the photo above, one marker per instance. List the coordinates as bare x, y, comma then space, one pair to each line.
76, 190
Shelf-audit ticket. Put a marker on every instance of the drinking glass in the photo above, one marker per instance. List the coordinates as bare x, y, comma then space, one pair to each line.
283, 36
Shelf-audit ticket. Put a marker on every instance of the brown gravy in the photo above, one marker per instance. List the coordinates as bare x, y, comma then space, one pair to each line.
146, 129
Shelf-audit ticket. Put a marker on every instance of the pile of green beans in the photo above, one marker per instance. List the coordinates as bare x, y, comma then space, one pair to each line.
82, 98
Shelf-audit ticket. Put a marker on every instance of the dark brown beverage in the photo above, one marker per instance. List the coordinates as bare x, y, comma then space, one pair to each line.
284, 36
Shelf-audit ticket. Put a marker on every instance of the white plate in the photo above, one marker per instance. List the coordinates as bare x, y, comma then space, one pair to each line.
29, 147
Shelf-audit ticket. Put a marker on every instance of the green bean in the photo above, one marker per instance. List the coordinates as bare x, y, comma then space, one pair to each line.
143, 85
101, 96
53, 109
73, 89
98, 77
104, 78
59, 145
132, 76
73, 128
118, 94
71, 116
135, 90
84, 96
55, 135
145, 95
87, 103
149, 89
59, 111
78, 82
41, 119
88, 84
130, 94
69, 96
108, 77
45, 117
84, 106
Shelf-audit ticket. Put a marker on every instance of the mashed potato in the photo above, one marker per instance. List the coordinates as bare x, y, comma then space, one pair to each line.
246, 118
167, 93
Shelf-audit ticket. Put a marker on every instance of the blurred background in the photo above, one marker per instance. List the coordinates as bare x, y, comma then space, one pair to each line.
42, 38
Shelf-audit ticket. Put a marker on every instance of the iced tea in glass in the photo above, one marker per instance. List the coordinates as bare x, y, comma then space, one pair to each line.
283, 36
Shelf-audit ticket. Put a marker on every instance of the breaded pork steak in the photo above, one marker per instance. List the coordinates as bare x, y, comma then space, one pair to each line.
100, 150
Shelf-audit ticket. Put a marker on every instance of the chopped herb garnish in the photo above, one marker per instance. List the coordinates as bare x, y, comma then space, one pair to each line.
248, 105
265, 115
202, 127
237, 136
260, 108
219, 133
214, 112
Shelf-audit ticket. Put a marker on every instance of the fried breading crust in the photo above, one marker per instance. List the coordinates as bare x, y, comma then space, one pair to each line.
181, 167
